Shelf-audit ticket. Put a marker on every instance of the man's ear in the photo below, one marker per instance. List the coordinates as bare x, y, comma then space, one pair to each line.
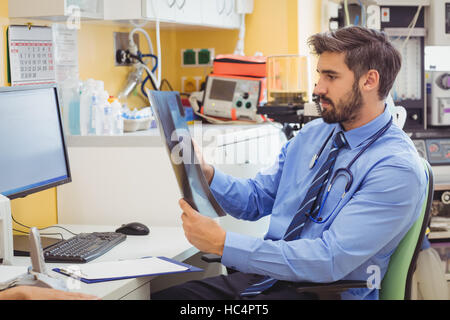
370, 81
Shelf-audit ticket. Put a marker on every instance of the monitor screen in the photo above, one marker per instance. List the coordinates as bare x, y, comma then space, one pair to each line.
33, 154
222, 90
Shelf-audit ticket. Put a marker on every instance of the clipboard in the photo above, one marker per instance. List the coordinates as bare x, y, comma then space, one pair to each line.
75, 271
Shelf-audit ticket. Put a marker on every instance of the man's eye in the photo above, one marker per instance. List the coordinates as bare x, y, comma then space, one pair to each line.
331, 77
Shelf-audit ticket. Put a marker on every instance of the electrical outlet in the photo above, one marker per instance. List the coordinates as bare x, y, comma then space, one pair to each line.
204, 57
189, 57
190, 84
197, 57
120, 46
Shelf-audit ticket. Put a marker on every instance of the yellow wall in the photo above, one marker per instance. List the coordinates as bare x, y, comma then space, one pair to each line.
271, 29
4, 8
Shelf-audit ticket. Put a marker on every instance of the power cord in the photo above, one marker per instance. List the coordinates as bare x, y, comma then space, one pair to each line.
45, 234
167, 83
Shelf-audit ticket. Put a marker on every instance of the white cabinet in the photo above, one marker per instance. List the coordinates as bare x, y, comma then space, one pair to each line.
164, 10
178, 11
210, 13
188, 11
123, 10
231, 18
220, 13
56, 10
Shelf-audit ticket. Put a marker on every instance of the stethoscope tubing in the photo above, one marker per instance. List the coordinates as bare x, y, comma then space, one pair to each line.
342, 172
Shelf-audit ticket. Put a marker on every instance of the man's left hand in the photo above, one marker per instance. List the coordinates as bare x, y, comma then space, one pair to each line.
202, 232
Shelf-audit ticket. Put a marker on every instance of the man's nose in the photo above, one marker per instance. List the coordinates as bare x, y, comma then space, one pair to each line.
319, 89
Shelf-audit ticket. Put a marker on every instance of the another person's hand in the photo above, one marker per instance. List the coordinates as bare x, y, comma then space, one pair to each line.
38, 293
208, 170
202, 232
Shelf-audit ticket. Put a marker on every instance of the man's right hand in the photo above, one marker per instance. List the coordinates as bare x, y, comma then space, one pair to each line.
208, 170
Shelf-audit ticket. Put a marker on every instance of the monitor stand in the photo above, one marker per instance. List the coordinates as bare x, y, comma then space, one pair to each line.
6, 237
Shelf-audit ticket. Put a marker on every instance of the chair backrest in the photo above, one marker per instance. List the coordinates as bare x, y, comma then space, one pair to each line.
398, 112
396, 284
399, 116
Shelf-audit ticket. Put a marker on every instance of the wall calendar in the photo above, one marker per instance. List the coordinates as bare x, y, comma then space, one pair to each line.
31, 55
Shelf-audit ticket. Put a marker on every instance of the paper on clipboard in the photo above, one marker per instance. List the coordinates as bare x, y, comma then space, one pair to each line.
123, 269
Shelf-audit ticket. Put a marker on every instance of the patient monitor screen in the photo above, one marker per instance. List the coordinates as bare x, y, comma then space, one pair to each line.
222, 90
32, 150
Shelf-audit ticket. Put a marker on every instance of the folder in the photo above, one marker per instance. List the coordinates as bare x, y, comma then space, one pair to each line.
125, 269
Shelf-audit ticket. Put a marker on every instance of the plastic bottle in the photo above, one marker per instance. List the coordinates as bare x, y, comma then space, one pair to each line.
70, 96
96, 104
74, 110
102, 112
87, 94
117, 119
108, 126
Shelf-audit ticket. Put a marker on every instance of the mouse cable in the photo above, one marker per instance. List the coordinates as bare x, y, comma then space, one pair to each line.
43, 234
25, 226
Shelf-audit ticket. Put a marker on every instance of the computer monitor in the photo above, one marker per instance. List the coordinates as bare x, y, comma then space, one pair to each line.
33, 155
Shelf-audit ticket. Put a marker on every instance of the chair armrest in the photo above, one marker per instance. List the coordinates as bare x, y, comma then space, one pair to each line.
329, 290
337, 286
211, 257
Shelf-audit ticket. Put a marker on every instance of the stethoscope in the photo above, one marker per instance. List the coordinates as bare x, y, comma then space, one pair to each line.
341, 171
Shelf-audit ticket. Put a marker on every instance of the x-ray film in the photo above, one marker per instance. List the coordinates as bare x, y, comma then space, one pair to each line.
169, 113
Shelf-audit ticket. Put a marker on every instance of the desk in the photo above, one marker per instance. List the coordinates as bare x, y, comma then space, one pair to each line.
130, 178
162, 241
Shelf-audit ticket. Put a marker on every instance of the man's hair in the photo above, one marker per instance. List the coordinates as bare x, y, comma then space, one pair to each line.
364, 49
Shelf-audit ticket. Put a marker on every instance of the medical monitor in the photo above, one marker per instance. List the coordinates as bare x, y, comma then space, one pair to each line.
33, 155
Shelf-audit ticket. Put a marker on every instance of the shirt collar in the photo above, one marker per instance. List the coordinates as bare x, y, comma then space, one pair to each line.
358, 135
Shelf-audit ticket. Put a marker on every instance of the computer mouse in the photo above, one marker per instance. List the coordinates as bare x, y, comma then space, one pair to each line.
134, 229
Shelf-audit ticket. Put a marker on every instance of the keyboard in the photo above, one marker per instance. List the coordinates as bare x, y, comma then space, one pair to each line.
83, 247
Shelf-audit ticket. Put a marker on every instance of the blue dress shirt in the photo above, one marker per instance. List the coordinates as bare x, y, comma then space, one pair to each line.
365, 227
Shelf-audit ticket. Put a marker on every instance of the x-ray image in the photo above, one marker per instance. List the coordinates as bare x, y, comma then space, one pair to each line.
169, 113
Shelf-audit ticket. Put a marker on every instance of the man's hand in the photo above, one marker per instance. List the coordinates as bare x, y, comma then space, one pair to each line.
208, 170
202, 232
38, 293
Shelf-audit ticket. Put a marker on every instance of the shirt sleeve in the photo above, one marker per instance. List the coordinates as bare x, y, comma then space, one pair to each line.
249, 199
377, 215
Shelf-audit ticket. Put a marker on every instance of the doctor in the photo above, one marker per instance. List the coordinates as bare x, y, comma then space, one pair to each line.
341, 195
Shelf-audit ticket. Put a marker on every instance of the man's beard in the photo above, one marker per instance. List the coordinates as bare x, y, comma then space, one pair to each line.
346, 109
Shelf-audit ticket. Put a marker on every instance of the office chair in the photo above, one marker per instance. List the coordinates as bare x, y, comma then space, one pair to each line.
397, 282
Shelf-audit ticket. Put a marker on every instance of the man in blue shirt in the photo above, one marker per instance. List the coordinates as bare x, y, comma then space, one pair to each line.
359, 225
